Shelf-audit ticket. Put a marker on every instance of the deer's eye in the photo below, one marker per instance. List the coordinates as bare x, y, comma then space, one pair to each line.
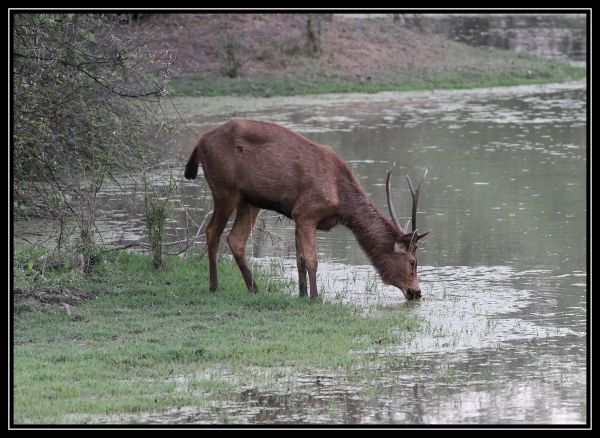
413, 267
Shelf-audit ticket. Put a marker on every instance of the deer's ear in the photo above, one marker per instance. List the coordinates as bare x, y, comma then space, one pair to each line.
406, 242
399, 247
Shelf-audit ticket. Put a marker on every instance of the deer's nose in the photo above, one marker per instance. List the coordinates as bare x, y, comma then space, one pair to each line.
413, 294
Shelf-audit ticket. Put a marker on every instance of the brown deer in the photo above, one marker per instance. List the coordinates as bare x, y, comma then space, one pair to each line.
250, 165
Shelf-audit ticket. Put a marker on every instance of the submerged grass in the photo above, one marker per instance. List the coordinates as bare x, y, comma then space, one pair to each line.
144, 331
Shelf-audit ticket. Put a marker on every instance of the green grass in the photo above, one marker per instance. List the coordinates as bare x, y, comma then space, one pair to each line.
142, 332
491, 69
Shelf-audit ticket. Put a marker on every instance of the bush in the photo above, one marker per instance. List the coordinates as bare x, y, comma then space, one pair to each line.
87, 100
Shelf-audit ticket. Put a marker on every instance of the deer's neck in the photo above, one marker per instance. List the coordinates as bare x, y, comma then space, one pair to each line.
371, 228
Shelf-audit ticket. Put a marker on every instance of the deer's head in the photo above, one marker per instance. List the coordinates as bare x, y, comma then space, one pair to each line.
402, 270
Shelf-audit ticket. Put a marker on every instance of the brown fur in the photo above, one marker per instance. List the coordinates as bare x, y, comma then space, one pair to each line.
250, 165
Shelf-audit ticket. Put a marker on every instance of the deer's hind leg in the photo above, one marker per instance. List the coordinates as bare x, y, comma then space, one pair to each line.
245, 219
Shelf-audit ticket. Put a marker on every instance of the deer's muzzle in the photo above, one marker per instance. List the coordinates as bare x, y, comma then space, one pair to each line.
413, 294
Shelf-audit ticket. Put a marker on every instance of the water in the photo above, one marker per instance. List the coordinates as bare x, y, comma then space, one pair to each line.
503, 273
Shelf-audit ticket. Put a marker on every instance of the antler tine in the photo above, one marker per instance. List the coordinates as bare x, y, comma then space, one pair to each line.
415, 196
388, 190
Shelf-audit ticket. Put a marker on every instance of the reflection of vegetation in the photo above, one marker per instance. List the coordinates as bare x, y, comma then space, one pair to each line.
149, 326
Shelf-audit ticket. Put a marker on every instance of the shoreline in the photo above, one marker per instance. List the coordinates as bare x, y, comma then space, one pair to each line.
286, 87
213, 106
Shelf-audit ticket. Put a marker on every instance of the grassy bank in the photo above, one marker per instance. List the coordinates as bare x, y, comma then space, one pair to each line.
268, 87
271, 55
141, 340
473, 68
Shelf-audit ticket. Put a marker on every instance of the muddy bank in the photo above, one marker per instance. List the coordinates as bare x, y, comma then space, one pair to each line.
49, 299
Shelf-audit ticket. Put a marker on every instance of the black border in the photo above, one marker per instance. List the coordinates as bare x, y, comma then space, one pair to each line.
587, 425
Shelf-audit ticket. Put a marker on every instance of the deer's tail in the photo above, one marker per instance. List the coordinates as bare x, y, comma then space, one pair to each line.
191, 168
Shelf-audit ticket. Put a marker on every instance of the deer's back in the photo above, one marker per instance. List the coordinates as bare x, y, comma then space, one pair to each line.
269, 165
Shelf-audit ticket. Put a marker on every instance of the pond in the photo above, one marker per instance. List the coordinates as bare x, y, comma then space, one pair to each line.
503, 273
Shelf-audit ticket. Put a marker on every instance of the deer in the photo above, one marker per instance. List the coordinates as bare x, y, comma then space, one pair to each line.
251, 165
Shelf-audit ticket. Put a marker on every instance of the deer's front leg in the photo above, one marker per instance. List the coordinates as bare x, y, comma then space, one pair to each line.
306, 256
301, 270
